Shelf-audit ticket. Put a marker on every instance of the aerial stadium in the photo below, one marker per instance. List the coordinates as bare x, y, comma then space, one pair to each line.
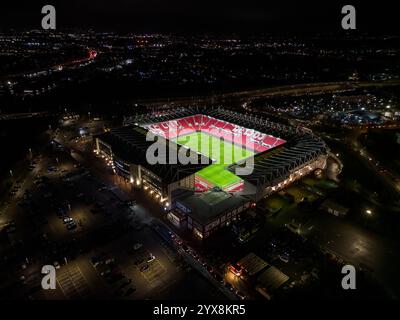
209, 190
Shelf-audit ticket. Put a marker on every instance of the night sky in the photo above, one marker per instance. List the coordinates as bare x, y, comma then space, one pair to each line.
202, 16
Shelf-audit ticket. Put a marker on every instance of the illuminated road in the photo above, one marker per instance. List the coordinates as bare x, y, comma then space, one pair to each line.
15, 116
286, 90
91, 55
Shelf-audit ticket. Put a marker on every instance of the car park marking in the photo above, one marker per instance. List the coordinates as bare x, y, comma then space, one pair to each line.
154, 273
72, 283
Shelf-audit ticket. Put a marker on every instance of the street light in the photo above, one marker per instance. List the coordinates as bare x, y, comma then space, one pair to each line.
11, 173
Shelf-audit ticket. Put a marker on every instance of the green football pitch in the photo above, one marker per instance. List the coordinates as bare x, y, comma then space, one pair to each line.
223, 153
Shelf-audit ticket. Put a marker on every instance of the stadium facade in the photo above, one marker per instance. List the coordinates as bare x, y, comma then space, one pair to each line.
203, 195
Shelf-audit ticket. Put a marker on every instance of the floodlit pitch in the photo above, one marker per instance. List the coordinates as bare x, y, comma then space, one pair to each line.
223, 153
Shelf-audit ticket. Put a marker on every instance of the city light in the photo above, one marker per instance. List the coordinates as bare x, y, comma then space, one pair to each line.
289, 103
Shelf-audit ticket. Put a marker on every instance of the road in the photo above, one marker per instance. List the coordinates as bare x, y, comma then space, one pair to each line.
285, 90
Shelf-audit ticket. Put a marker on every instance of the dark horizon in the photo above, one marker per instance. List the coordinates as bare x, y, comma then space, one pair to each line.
204, 17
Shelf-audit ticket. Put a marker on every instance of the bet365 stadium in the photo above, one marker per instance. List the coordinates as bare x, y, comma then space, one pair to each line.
218, 142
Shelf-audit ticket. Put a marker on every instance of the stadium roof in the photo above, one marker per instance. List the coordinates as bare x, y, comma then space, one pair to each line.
207, 206
302, 147
129, 143
285, 159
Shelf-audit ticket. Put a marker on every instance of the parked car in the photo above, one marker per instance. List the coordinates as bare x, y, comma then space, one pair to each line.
71, 226
139, 261
67, 220
144, 267
284, 258
150, 258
